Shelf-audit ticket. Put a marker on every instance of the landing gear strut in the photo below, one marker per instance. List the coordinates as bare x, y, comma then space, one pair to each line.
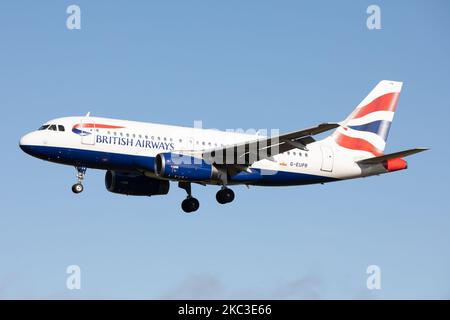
190, 204
224, 195
78, 187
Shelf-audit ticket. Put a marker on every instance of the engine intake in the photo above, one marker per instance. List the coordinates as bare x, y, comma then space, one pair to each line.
135, 185
184, 167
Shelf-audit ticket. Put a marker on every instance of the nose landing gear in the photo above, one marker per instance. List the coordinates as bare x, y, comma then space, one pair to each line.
190, 204
78, 187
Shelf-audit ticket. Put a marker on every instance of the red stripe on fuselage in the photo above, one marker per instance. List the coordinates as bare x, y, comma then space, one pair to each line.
356, 144
98, 126
387, 102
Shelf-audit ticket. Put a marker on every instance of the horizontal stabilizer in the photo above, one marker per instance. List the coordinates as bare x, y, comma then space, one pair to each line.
394, 155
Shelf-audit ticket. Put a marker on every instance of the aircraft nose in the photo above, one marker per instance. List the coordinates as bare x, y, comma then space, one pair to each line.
25, 143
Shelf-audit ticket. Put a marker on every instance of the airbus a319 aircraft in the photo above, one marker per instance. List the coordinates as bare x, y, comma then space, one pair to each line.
142, 159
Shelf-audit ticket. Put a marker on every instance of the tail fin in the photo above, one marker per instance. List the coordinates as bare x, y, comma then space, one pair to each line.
367, 127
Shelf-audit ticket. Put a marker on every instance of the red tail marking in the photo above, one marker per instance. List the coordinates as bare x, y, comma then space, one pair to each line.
356, 144
387, 102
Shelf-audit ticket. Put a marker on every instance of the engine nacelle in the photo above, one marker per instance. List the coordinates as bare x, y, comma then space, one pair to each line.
184, 167
135, 185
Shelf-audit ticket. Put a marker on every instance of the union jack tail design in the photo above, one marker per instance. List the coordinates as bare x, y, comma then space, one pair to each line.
367, 127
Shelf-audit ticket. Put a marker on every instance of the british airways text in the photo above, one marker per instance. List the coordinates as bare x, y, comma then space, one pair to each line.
130, 142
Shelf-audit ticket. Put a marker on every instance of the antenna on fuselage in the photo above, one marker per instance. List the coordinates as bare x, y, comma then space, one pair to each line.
88, 114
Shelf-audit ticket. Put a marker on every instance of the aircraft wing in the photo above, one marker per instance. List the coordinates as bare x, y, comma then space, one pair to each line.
394, 155
246, 153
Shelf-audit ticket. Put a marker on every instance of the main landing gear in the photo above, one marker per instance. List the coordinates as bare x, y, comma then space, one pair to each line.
224, 195
190, 204
78, 187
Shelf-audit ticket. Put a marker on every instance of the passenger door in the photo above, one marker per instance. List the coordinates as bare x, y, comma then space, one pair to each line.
327, 159
88, 133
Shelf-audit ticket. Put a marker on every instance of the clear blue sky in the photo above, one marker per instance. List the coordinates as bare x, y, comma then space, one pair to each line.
231, 64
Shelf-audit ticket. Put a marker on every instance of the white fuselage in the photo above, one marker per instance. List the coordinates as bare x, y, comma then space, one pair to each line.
106, 143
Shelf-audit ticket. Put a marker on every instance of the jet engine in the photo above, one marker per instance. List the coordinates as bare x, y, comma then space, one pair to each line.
184, 167
135, 184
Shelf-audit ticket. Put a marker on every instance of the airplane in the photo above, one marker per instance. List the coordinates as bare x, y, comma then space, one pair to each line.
141, 159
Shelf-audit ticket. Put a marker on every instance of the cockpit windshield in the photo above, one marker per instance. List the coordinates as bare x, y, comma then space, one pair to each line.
52, 127
44, 127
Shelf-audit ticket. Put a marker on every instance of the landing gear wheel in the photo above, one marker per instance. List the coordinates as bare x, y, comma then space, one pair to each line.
225, 196
77, 188
190, 205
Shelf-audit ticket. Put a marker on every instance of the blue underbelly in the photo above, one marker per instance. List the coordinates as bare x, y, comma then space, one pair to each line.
126, 162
